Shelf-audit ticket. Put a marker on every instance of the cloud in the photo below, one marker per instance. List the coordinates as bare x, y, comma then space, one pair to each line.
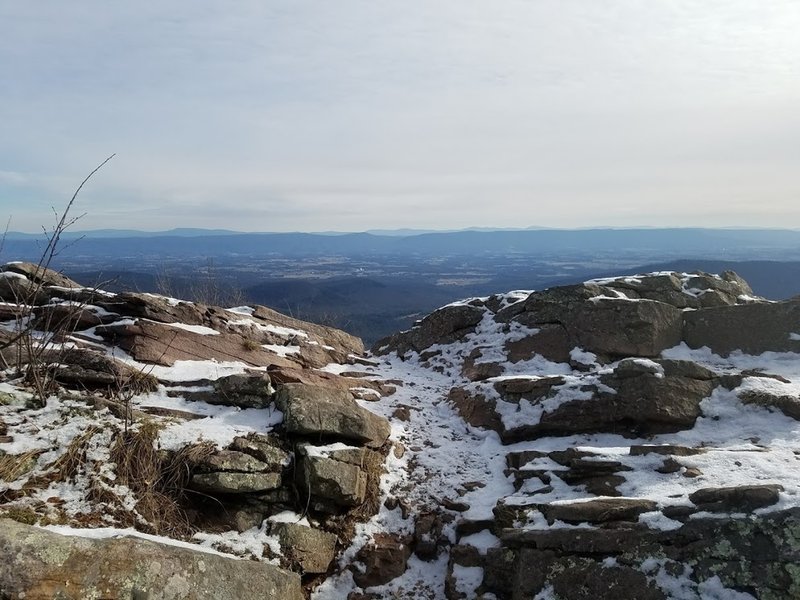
379, 114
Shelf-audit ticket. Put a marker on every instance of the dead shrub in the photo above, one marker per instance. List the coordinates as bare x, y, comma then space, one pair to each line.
157, 480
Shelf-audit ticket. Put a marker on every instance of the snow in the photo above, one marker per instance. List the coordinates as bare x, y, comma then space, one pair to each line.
325, 451
467, 579
482, 541
287, 516
281, 350
11, 275
104, 533
199, 329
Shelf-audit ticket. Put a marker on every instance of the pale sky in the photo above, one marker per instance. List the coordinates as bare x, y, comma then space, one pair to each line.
286, 115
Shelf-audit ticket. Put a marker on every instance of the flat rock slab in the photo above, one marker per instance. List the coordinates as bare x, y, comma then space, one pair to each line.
41, 565
745, 498
310, 409
226, 482
601, 510
152, 342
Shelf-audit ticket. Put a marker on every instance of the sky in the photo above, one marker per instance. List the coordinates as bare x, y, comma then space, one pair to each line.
300, 115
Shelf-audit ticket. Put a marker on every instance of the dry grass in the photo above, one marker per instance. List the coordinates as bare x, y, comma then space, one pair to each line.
157, 481
69, 464
14, 466
250, 344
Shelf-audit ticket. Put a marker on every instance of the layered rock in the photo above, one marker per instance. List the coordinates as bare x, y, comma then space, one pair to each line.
292, 461
656, 436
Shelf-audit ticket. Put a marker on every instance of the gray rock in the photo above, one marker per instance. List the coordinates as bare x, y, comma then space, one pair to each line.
605, 325
40, 564
644, 401
232, 472
227, 482
744, 498
266, 449
245, 391
384, 558
343, 483
310, 409
601, 510
442, 326
311, 549
39, 274
752, 328
756, 554
231, 460
788, 405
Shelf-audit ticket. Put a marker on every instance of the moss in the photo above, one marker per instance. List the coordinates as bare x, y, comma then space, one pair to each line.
724, 549
793, 570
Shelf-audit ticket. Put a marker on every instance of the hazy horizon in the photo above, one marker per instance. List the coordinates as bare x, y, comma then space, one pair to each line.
310, 116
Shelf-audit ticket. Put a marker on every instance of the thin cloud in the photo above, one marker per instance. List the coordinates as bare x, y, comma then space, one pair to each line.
354, 115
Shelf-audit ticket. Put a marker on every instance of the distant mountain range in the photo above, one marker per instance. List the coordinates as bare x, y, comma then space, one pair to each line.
650, 244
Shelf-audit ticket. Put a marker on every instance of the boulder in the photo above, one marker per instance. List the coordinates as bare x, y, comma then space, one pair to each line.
310, 409
596, 318
756, 554
18, 289
85, 368
788, 405
159, 343
637, 398
442, 326
265, 448
311, 549
325, 476
244, 391
743, 498
69, 317
39, 274
342, 343
39, 565
233, 482
615, 327
384, 558
600, 510
752, 328
293, 374
551, 341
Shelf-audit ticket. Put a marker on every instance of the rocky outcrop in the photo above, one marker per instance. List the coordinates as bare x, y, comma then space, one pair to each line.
40, 565
755, 555
636, 316
624, 440
316, 410
240, 432
637, 397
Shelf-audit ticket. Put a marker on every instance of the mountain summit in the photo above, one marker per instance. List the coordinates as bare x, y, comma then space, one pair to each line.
632, 437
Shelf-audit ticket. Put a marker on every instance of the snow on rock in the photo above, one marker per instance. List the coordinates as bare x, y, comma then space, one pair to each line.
163, 421
573, 423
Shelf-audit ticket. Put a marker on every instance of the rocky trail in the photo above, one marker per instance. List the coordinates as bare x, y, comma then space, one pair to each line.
633, 437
